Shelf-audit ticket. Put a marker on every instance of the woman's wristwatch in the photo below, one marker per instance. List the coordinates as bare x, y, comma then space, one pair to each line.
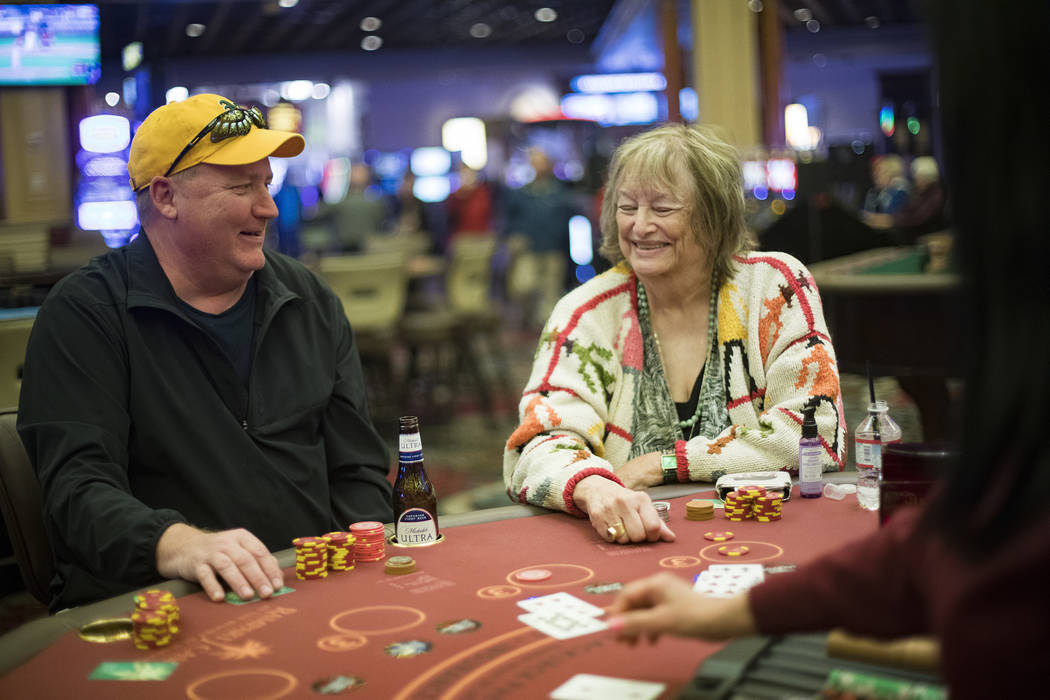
669, 464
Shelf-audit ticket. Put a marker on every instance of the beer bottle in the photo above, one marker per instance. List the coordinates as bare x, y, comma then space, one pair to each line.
415, 503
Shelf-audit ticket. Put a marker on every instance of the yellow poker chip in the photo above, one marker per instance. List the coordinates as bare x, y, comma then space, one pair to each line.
731, 550
718, 536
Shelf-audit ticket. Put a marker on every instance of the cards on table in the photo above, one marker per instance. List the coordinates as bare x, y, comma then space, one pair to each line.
234, 599
586, 686
726, 580
562, 615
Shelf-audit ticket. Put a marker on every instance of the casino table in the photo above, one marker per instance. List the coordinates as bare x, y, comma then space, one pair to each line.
448, 630
882, 306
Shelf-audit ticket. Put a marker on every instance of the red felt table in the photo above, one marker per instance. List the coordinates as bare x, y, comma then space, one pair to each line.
342, 625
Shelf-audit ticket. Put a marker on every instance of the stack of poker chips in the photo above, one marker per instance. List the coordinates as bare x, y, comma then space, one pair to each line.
397, 566
370, 541
340, 551
699, 510
663, 509
154, 622
311, 557
768, 507
739, 504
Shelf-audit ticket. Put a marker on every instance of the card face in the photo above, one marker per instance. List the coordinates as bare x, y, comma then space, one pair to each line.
562, 624
561, 602
132, 671
587, 686
727, 580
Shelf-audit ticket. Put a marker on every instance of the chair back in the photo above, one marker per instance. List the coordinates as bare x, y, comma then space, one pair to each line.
523, 272
14, 335
372, 287
21, 502
407, 243
470, 275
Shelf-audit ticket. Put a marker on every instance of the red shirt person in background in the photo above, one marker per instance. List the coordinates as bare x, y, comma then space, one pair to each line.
970, 568
469, 208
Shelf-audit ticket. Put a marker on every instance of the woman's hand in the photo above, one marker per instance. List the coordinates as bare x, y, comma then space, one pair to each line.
629, 514
666, 604
642, 472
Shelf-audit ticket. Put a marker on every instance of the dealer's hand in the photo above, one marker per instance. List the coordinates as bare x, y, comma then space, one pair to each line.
619, 514
237, 556
666, 604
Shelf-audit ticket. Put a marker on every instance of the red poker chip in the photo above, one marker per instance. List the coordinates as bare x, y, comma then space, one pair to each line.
533, 575
718, 536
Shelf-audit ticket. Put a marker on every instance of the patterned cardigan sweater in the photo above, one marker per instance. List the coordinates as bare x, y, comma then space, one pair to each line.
578, 408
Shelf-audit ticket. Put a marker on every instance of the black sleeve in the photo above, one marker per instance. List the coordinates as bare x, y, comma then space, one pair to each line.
358, 462
74, 422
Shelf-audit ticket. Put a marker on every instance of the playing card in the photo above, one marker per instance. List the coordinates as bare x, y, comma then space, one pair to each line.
586, 686
726, 580
562, 624
561, 602
234, 599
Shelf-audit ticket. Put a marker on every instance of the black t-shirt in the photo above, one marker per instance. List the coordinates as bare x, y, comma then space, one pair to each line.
232, 329
688, 408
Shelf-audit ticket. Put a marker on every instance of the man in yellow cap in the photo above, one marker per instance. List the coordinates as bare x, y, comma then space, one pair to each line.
193, 401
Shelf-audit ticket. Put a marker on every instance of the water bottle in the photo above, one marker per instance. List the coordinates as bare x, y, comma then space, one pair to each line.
876, 430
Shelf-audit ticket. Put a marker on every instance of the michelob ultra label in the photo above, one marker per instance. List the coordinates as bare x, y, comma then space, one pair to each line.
410, 448
416, 527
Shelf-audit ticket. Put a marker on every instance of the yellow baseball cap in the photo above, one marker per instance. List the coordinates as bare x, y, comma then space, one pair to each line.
204, 129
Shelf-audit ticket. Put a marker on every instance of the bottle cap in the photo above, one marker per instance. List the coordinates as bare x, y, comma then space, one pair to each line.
809, 423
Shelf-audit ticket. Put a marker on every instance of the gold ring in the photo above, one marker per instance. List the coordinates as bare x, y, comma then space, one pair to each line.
616, 531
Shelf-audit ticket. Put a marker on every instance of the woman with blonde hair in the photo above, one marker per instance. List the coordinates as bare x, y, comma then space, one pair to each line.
689, 359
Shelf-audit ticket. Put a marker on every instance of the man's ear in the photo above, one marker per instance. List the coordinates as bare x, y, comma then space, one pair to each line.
162, 194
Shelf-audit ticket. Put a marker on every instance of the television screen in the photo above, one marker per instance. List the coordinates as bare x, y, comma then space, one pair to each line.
49, 45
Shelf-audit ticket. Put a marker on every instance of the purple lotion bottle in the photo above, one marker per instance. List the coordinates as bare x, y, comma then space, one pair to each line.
810, 479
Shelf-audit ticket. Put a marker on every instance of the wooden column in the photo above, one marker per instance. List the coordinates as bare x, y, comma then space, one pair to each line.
725, 64
672, 59
34, 147
770, 49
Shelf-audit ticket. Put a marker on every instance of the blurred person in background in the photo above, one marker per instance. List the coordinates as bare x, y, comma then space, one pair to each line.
469, 208
924, 210
890, 190
970, 565
691, 358
541, 211
361, 213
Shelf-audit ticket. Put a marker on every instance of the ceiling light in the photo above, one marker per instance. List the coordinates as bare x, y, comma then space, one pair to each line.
755, 5
575, 36
480, 30
112, 99
545, 14
287, 3
803, 15
371, 42
194, 30
813, 26
872, 21
370, 24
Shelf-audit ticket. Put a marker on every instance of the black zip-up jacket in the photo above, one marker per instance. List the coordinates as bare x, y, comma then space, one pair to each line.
135, 419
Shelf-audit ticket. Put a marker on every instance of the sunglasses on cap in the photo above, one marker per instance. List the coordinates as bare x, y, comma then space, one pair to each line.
235, 120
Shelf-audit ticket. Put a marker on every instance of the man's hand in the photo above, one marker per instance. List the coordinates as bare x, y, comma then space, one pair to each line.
237, 556
608, 504
666, 603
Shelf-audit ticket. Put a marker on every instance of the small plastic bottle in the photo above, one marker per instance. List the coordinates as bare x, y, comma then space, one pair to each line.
875, 431
810, 479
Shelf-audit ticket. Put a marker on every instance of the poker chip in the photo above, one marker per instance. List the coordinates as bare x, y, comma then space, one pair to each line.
722, 536
663, 509
698, 509
311, 557
396, 566
733, 550
340, 551
533, 575
154, 622
370, 545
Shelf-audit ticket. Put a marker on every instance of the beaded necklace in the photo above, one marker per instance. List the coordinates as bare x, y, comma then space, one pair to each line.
643, 311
